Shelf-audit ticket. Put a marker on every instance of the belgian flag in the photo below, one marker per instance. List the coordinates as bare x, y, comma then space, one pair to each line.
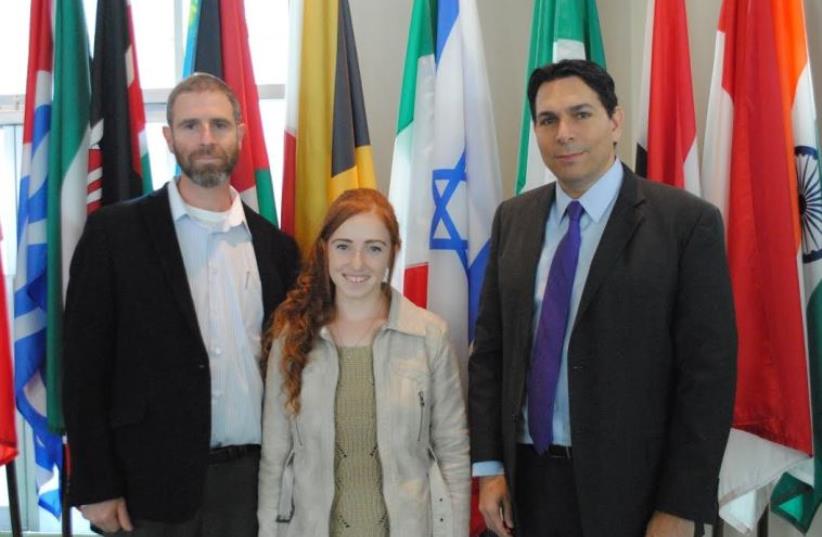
327, 148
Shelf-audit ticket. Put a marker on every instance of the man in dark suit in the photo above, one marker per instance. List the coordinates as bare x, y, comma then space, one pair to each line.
167, 300
602, 376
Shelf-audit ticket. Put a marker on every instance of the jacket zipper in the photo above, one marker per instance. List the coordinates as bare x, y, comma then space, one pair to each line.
422, 415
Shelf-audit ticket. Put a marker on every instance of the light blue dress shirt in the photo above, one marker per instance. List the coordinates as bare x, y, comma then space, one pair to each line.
597, 202
224, 280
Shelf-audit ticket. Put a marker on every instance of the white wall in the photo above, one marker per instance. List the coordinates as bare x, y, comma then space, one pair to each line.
381, 28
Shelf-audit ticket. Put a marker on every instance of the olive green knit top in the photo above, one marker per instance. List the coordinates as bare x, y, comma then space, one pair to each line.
359, 507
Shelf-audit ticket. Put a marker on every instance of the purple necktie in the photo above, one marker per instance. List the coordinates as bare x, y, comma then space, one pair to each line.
553, 319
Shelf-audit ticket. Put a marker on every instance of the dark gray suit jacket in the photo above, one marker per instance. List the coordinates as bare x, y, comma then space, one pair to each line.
651, 360
137, 386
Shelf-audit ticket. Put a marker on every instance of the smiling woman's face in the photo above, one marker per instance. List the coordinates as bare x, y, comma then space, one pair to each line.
359, 252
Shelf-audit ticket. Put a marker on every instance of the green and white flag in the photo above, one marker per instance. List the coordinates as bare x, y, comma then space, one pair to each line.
411, 167
67, 179
560, 30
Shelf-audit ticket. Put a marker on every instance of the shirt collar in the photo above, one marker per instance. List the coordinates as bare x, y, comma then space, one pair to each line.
180, 209
599, 197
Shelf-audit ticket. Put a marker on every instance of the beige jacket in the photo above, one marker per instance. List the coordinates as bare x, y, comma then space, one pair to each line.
421, 430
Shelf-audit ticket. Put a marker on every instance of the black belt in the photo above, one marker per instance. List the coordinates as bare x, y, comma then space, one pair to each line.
229, 453
559, 452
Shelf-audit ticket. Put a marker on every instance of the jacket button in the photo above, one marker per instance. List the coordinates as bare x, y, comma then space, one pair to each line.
201, 366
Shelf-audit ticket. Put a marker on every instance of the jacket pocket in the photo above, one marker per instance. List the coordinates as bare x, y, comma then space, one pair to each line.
410, 394
285, 508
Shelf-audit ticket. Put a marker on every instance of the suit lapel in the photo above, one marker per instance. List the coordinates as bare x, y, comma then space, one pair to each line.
531, 236
625, 217
157, 216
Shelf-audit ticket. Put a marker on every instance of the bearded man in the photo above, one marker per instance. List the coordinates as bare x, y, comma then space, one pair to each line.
167, 299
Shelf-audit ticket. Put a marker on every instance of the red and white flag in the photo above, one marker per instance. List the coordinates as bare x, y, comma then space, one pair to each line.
8, 434
752, 149
666, 150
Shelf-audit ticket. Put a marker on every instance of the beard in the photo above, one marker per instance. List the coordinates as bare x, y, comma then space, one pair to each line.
208, 175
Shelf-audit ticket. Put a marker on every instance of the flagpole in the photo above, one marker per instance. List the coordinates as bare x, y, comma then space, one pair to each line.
14, 500
65, 519
762, 527
719, 527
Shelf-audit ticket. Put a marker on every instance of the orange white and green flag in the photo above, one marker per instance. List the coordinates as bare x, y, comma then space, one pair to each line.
796, 497
327, 148
761, 167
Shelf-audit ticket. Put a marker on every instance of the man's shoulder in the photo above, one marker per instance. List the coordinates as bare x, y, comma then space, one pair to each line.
526, 203
123, 213
261, 228
671, 199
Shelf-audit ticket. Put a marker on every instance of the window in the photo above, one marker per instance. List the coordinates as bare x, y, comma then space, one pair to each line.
159, 26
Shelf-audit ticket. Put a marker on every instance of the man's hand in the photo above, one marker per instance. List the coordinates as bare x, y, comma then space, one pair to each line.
495, 505
110, 516
665, 525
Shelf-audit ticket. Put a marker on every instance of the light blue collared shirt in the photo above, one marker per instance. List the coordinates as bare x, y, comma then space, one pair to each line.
224, 280
597, 202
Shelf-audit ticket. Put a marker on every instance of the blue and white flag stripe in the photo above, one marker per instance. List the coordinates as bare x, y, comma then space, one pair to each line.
30, 299
466, 178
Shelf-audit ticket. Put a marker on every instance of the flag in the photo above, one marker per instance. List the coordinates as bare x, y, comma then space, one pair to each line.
118, 157
445, 175
560, 30
666, 149
67, 180
795, 497
750, 174
31, 279
217, 43
327, 149
8, 434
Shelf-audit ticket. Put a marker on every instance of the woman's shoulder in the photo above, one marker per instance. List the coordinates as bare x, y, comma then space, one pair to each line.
406, 316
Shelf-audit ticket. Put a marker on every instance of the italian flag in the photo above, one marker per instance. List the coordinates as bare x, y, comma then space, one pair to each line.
761, 169
67, 178
666, 149
327, 147
560, 30
217, 43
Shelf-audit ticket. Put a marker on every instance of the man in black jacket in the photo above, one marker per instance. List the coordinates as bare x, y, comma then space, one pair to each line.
168, 297
602, 376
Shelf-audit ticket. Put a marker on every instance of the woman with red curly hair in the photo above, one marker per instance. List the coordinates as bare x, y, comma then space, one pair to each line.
363, 409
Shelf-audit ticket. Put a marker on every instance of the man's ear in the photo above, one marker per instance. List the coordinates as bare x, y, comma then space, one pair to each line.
169, 138
241, 132
617, 120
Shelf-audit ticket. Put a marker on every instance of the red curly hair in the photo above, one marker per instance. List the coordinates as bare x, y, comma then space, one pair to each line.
310, 305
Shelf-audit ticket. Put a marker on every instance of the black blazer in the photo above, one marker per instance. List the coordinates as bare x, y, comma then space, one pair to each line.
137, 386
651, 360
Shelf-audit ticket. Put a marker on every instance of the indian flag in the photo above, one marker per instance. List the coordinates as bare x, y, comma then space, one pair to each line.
560, 30
761, 169
327, 148
796, 497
